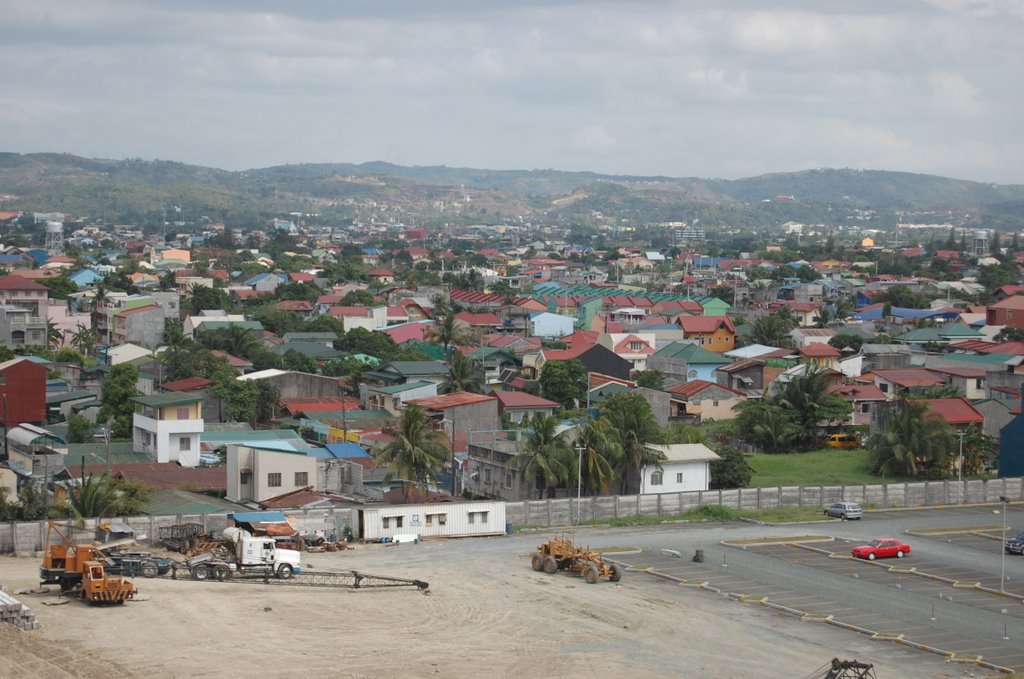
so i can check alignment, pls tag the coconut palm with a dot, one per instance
(92, 497)
(599, 448)
(418, 452)
(448, 334)
(84, 340)
(629, 416)
(913, 444)
(54, 336)
(464, 374)
(235, 340)
(547, 460)
(806, 400)
(978, 449)
(770, 331)
(824, 317)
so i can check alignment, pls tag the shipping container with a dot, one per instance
(442, 519)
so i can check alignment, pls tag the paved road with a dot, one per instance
(897, 597)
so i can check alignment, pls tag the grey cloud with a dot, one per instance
(648, 87)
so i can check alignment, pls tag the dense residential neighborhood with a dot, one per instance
(306, 365)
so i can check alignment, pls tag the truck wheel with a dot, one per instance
(591, 575)
(550, 565)
(201, 572)
(284, 572)
(537, 561)
(150, 570)
(222, 573)
(616, 572)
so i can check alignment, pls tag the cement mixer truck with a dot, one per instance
(256, 556)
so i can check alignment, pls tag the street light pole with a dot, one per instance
(1002, 548)
(960, 469)
(579, 482)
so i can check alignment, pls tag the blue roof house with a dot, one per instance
(83, 278)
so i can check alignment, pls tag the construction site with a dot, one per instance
(449, 608)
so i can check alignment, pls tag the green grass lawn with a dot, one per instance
(828, 467)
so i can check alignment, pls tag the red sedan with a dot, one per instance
(880, 548)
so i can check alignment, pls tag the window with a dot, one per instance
(884, 387)
(185, 443)
(714, 403)
(274, 480)
(182, 413)
(301, 479)
(245, 478)
(691, 375)
(472, 518)
(430, 520)
(442, 519)
(865, 407)
(977, 383)
(636, 346)
(679, 477)
(398, 521)
(508, 479)
(487, 475)
(656, 478)
(3, 378)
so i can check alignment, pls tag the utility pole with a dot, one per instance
(6, 452)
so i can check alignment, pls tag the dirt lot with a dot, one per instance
(487, 614)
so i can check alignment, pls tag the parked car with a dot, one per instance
(137, 563)
(1015, 545)
(881, 548)
(843, 441)
(844, 510)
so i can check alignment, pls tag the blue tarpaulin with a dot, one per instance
(258, 517)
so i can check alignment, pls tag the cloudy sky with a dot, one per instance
(708, 88)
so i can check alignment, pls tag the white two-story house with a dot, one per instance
(167, 427)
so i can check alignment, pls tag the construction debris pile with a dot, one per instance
(13, 612)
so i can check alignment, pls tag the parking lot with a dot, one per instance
(944, 597)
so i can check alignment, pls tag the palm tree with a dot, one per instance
(54, 336)
(770, 331)
(978, 449)
(825, 317)
(464, 374)
(84, 339)
(547, 460)
(599, 449)
(785, 314)
(629, 416)
(775, 431)
(418, 452)
(806, 400)
(448, 334)
(92, 498)
(913, 443)
(235, 340)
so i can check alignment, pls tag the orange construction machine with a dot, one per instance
(80, 567)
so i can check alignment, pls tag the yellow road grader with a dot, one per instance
(560, 554)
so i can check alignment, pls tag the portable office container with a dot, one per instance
(441, 519)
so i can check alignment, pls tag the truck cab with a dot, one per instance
(262, 551)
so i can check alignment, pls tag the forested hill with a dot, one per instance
(134, 190)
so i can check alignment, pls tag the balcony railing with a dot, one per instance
(29, 320)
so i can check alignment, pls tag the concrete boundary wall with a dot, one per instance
(29, 537)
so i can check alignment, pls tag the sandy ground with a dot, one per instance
(487, 614)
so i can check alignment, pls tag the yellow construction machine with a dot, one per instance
(81, 567)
